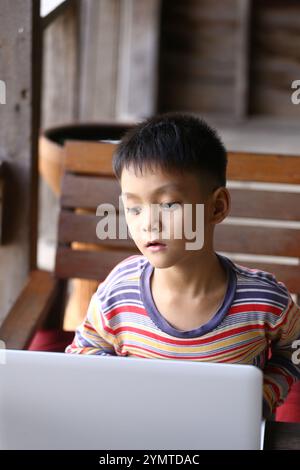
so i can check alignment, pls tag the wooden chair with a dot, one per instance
(88, 181)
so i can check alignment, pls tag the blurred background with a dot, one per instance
(232, 62)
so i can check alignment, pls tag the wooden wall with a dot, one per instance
(60, 69)
(197, 60)
(275, 57)
(119, 53)
(235, 58)
(99, 64)
(60, 102)
(19, 62)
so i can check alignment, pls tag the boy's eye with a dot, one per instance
(133, 210)
(164, 206)
(170, 205)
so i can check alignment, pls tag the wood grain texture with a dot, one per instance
(260, 204)
(99, 52)
(243, 58)
(30, 310)
(244, 166)
(92, 158)
(83, 228)
(19, 117)
(90, 191)
(138, 58)
(253, 240)
(275, 57)
(198, 56)
(88, 264)
(95, 158)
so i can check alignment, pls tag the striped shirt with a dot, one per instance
(258, 323)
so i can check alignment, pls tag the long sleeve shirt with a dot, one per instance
(258, 323)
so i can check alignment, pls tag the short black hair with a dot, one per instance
(174, 142)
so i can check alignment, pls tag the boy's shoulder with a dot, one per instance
(126, 271)
(262, 281)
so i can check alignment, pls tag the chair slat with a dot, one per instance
(89, 191)
(88, 264)
(266, 168)
(265, 204)
(75, 227)
(93, 158)
(30, 310)
(234, 238)
(272, 241)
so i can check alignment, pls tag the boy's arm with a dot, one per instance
(283, 367)
(89, 337)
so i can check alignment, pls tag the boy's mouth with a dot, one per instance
(155, 246)
(155, 243)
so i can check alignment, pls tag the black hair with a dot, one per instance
(174, 142)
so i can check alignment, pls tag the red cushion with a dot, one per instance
(290, 410)
(51, 340)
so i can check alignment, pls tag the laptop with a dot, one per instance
(64, 401)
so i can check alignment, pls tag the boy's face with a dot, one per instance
(156, 208)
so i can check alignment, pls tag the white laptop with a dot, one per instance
(64, 401)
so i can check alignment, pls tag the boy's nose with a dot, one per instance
(151, 219)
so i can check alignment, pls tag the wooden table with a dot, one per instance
(282, 436)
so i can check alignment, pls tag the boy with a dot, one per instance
(191, 304)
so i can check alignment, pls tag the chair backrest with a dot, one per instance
(262, 187)
(263, 229)
(88, 181)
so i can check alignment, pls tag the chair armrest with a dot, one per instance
(30, 310)
(282, 436)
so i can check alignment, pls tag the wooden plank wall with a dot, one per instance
(136, 94)
(234, 58)
(99, 39)
(60, 69)
(275, 58)
(59, 101)
(19, 41)
(119, 53)
(198, 60)
(99, 64)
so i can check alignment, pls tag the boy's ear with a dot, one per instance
(221, 205)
